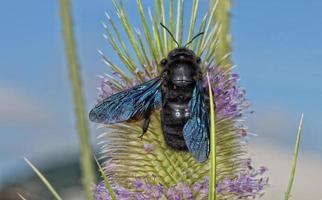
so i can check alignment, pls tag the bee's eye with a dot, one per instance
(163, 62)
(198, 60)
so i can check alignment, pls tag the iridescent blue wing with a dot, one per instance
(196, 130)
(128, 104)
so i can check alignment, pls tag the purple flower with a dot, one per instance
(148, 147)
(249, 183)
(229, 97)
(137, 184)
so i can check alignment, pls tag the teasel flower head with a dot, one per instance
(148, 168)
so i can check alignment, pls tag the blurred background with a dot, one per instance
(277, 47)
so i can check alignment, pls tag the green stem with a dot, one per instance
(222, 17)
(295, 155)
(213, 165)
(74, 73)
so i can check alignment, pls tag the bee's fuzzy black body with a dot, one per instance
(178, 91)
(180, 72)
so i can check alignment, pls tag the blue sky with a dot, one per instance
(277, 47)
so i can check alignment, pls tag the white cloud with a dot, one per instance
(274, 121)
(307, 183)
(17, 107)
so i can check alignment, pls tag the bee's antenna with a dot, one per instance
(194, 38)
(170, 34)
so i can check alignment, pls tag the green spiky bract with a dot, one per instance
(121, 148)
(294, 164)
(222, 17)
(106, 181)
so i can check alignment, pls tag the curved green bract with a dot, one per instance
(213, 164)
(44, 180)
(294, 164)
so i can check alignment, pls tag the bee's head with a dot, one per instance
(181, 66)
(182, 54)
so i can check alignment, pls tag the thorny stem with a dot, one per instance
(88, 176)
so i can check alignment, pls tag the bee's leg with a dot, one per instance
(145, 126)
(146, 122)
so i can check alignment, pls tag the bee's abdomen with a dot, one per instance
(174, 116)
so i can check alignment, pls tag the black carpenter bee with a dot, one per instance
(178, 91)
